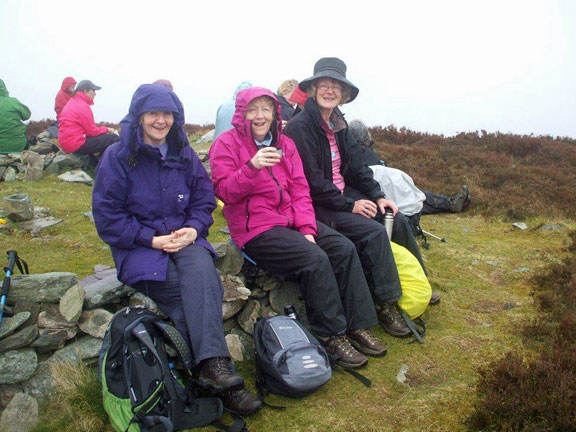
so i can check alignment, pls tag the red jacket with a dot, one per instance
(63, 96)
(256, 200)
(77, 122)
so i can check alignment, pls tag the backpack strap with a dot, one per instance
(177, 342)
(364, 380)
(262, 389)
(412, 326)
(238, 424)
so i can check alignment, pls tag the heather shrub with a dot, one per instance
(510, 176)
(537, 394)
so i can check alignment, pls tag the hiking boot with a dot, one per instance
(348, 357)
(434, 299)
(365, 342)
(216, 373)
(391, 320)
(457, 201)
(241, 401)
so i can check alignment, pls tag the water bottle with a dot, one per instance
(290, 311)
(388, 222)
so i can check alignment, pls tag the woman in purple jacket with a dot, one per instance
(258, 174)
(153, 203)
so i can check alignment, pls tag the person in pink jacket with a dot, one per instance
(78, 133)
(257, 173)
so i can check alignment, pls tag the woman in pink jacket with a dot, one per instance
(78, 133)
(257, 173)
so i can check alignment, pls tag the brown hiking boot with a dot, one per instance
(241, 401)
(391, 320)
(348, 357)
(365, 342)
(216, 373)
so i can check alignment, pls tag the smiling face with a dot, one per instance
(260, 112)
(155, 126)
(328, 94)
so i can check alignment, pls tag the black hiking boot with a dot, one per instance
(434, 299)
(458, 201)
(241, 401)
(391, 320)
(217, 373)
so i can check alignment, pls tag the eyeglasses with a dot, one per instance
(336, 88)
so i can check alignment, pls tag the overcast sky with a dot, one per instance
(437, 66)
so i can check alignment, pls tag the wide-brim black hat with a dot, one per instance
(330, 67)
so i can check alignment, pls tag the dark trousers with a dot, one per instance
(192, 297)
(373, 247)
(402, 232)
(328, 273)
(435, 204)
(97, 144)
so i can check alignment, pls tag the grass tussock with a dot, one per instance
(538, 394)
(78, 406)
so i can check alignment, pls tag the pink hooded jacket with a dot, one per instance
(256, 200)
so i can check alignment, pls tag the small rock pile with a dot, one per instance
(55, 317)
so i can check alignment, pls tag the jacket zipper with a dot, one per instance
(280, 191)
(247, 215)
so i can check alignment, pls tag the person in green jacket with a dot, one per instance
(12, 130)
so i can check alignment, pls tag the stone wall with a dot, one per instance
(55, 317)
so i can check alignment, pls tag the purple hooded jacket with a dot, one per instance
(138, 195)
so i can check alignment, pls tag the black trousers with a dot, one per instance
(402, 232)
(97, 144)
(192, 297)
(328, 273)
(435, 203)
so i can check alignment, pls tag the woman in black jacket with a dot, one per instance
(344, 194)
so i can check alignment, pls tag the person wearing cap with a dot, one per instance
(257, 173)
(12, 130)
(344, 194)
(78, 133)
(283, 94)
(152, 203)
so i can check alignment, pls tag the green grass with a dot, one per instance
(468, 329)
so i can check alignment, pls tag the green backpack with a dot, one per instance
(141, 390)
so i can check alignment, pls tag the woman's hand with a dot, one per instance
(159, 242)
(310, 238)
(180, 239)
(383, 203)
(176, 241)
(266, 157)
(365, 208)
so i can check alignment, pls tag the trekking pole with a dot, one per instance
(443, 239)
(13, 259)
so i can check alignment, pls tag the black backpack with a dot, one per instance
(141, 390)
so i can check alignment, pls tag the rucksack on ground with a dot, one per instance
(290, 361)
(416, 289)
(141, 390)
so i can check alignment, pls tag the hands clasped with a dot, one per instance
(175, 241)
